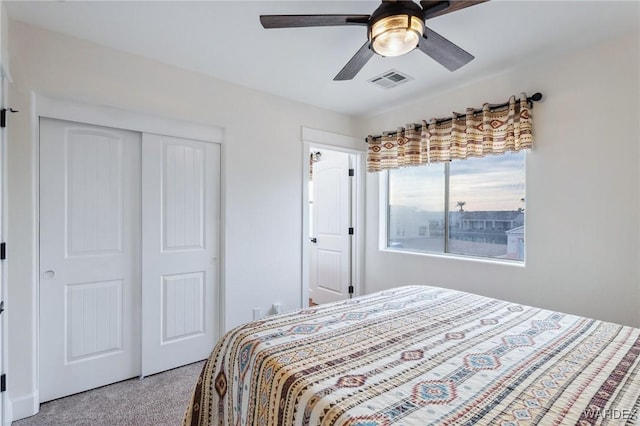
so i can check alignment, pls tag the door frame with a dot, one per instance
(63, 109)
(5, 406)
(356, 147)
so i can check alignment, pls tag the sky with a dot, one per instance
(495, 182)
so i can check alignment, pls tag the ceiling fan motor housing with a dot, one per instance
(395, 28)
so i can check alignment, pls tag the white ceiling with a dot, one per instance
(224, 39)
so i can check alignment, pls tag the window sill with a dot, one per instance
(448, 256)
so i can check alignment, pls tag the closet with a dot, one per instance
(128, 261)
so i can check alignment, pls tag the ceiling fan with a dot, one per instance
(396, 27)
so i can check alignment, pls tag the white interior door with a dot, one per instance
(331, 273)
(89, 257)
(181, 181)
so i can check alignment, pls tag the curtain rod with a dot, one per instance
(530, 99)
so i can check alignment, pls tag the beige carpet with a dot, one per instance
(160, 399)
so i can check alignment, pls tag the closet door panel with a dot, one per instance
(181, 187)
(89, 256)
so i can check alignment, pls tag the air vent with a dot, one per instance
(390, 79)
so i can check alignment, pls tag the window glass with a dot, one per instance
(485, 215)
(486, 206)
(416, 208)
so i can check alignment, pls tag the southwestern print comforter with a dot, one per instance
(421, 356)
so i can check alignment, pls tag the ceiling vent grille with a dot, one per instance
(390, 79)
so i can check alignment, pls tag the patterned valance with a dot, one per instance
(474, 134)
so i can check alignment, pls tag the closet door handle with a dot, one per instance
(313, 240)
(49, 274)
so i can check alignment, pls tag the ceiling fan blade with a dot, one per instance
(292, 21)
(443, 51)
(436, 8)
(356, 63)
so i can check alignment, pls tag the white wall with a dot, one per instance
(262, 155)
(582, 189)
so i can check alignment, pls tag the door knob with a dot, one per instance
(313, 240)
(48, 274)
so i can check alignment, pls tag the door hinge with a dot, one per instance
(3, 116)
(3, 383)
(350, 231)
(350, 289)
(1, 306)
(351, 172)
(3, 251)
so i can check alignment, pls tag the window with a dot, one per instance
(471, 207)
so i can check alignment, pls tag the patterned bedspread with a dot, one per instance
(421, 356)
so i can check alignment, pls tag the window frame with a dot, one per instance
(385, 223)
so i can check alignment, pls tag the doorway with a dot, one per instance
(128, 254)
(332, 218)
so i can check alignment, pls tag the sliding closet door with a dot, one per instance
(181, 187)
(89, 257)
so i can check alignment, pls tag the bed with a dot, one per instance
(420, 355)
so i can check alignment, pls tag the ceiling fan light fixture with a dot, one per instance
(396, 35)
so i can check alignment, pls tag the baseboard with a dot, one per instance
(24, 406)
(7, 415)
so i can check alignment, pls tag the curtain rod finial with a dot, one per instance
(536, 96)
